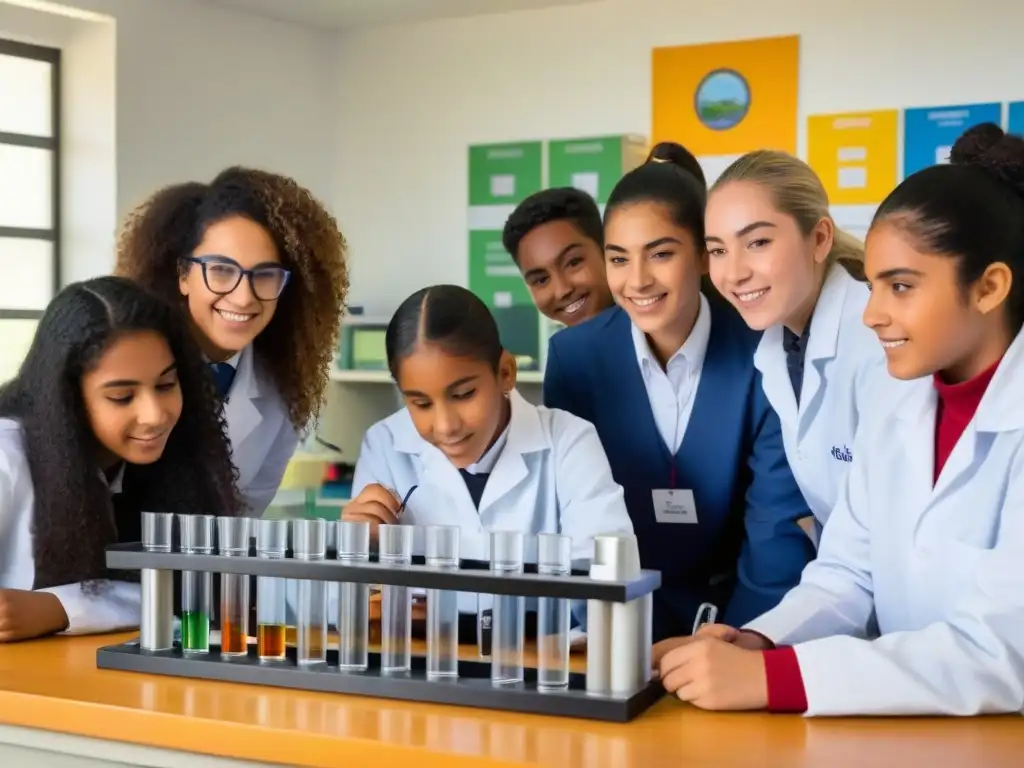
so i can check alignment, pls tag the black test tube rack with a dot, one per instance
(472, 688)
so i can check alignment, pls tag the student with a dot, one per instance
(259, 266)
(676, 154)
(555, 238)
(112, 413)
(468, 450)
(668, 379)
(777, 256)
(927, 535)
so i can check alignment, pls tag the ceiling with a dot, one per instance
(346, 14)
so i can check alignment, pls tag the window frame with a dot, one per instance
(52, 143)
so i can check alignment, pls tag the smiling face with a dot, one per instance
(654, 271)
(564, 270)
(925, 321)
(457, 404)
(760, 260)
(132, 398)
(229, 323)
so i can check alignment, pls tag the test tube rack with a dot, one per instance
(472, 688)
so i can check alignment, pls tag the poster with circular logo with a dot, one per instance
(722, 99)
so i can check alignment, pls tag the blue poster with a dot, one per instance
(1016, 124)
(929, 132)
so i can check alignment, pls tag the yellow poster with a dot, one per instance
(855, 155)
(727, 98)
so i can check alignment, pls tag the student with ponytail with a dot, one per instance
(777, 256)
(667, 377)
(915, 603)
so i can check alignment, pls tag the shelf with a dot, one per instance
(384, 377)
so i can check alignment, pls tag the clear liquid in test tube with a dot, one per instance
(196, 586)
(353, 599)
(554, 558)
(156, 627)
(233, 541)
(309, 542)
(443, 605)
(508, 619)
(271, 592)
(395, 544)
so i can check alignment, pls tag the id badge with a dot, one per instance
(674, 505)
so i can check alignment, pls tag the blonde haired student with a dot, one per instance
(776, 254)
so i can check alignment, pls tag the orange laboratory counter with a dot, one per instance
(58, 709)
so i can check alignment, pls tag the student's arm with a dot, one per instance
(835, 595)
(103, 606)
(970, 664)
(99, 606)
(590, 502)
(372, 464)
(775, 549)
(264, 486)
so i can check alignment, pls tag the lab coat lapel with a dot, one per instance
(770, 360)
(242, 406)
(914, 450)
(525, 435)
(823, 341)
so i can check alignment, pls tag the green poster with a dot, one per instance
(504, 174)
(594, 165)
(493, 276)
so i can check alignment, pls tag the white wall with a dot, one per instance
(412, 98)
(196, 88)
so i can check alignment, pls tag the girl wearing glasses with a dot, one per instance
(259, 266)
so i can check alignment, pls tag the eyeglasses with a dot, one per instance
(223, 275)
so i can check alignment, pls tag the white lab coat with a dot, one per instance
(111, 606)
(941, 567)
(844, 371)
(263, 439)
(552, 476)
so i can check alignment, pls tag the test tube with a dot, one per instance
(554, 558)
(443, 605)
(309, 542)
(196, 586)
(271, 592)
(233, 541)
(353, 599)
(156, 628)
(509, 618)
(395, 548)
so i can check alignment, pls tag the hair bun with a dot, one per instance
(987, 146)
(671, 153)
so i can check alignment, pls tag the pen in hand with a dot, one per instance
(706, 614)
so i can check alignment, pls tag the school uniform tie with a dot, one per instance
(796, 349)
(223, 376)
(475, 484)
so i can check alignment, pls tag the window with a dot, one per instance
(29, 180)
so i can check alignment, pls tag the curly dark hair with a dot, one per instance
(298, 345)
(73, 519)
(558, 204)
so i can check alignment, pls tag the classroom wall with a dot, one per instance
(163, 91)
(413, 97)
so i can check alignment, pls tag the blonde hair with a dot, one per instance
(797, 192)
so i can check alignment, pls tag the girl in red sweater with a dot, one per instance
(915, 604)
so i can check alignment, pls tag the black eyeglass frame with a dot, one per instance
(243, 273)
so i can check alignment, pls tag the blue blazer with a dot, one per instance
(746, 549)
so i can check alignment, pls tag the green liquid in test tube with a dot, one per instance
(196, 586)
(195, 631)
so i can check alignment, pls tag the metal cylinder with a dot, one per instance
(615, 634)
(156, 625)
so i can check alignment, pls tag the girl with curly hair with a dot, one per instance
(112, 413)
(258, 266)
